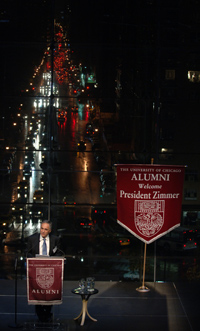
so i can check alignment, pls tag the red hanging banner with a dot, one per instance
(149, 199)
(45, 280)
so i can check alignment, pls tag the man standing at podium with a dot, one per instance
(43, 243)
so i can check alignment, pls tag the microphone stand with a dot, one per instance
(15, 325)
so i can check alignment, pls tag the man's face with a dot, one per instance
(45, 230)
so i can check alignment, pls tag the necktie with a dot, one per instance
(44, 247)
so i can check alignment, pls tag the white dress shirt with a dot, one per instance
(41, 244)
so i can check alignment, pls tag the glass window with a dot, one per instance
(82, 91)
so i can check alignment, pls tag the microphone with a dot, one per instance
(56, 248)
(32, 247)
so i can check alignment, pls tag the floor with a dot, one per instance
(117, 306)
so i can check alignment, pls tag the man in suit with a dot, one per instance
(35, 242)
(44, 243)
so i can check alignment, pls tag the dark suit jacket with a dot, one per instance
(33, 245)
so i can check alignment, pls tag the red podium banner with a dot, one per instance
(149, 199)
(45, 280)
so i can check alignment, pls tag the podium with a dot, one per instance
(45, 280)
